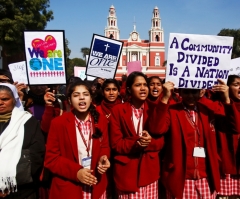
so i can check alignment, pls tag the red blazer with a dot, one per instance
(134, 166)
(227, 135)
(62, 158)
(174, 163)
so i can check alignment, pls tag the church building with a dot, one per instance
(150, 52)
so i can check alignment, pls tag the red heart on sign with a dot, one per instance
(48, 44)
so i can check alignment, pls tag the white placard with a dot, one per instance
(104, 57)
(197, 61)
(235, 67)
(19, 73)
(45, 57)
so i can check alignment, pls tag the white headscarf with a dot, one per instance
(11, 141)
(15, 95)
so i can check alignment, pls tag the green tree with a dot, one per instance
(236, 43)
(74, 62)
(85, 51)
(17, 16)
(67, 53)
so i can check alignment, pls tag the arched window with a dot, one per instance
(156, 24)
(157, 38)
(111, 22)
(157, 61)
(111, 36)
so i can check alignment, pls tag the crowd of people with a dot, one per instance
(139, 138)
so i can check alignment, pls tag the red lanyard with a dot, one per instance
(138, 126)
(88, 145)
(195, 126)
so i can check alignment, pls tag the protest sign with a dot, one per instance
(197, 61)
(19, 73)
(80, 72)
(45, 59)
(235, 67)
(134, 66)
(104, 57)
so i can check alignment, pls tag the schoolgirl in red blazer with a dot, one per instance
(228, 146)
(155, 89)
(190, 164)
(110, 90)
(77, 149)
(136, 161)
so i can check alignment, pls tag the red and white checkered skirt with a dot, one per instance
(230, 185)
(148, 192)
(87, 193)
(195, 189)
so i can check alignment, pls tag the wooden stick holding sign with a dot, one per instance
(197, 61)
(104, 57)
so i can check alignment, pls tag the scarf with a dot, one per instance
(5, 117)
(11, 141)
(107, 106)
(15, 95)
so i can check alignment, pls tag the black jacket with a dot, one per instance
(34, 142)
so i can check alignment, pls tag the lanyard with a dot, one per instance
(138, 125)
(195, 126)
(84, 141)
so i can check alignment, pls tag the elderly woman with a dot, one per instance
(21, 147)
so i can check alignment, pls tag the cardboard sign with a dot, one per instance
(197, 61)
(235, 67)
(104, 57)
(19, 73)
(134, 66)
(45, 57)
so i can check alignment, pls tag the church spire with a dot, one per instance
(112, 30)
(156, 31)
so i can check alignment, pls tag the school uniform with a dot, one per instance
(136, 168)
(228, 147)
(65, 153)
(194, 175)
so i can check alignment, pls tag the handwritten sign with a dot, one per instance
(134, 66)
(45, 57)
(104, 57)
(235, 67)
(197, 61)
(19, 73)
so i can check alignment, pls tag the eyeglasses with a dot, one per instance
(5, 81)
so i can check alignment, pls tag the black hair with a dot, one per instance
(124, 78)
(73, 79)
(110, 81)
(94, 113)
(153, 77)
(8, 74)
(231, 79)
(131, 78)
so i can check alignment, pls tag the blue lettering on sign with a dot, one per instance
(46, 63)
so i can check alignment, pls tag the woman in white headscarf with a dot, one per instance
(21, 147)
